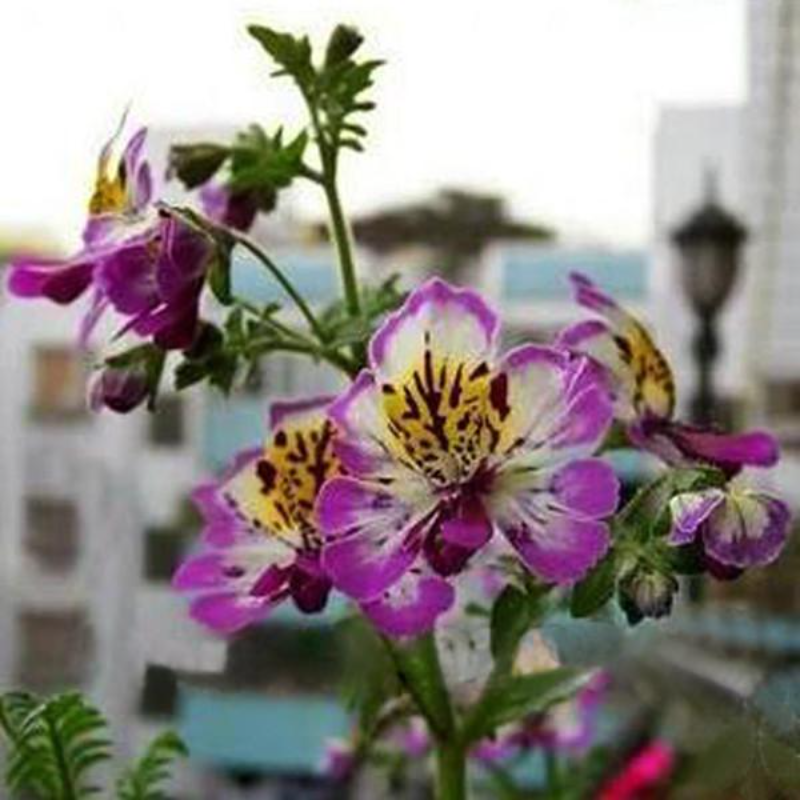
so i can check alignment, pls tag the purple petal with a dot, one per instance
(590, 296)
(127, 277)
(587, 487)
(689, 511)
(184, 259)
(372, 538)
(363, 569)
(450, 322)
(227, 613)
(731, 451)
(411, 606)
(749, 529)
(309, 585)
(559, 549)
(469, 526)
(59, 281)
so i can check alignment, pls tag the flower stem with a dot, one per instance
(451, 771)
(340, 231)
(285, 283)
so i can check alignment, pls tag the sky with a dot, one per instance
(551, 103)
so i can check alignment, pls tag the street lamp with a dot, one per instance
(709, 244)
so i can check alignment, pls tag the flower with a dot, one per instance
(120, 389)
(260, 544)
(649, 768)
(148, 266)
(235, 209)
(339, 760)
(738, 527)
(445, 444)
(641, 379)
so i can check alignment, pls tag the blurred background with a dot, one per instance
(513, 142)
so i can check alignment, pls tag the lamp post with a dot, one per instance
(709, 244)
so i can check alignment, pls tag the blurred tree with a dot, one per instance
(455, 225)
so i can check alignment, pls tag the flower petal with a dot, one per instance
(468, 525)
(587, 487)
(689, 511)
(227, 613)
(298, 412)
(452, 323)
(412, 606)
(559, 549)
(642, 375)
(556, 407)
(748, 529)
(59, 281)
(372, 536)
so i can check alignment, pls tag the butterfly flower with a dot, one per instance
(644, 390)
(260, 544)
(446, 445)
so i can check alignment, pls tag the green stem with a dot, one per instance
(340, 232)
(553, 775)
(332, 356)
(285, 283)
(451, 771)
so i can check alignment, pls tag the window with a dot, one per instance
(163, 548)
(59, 383)
(167, 422)
(159, 692)
(52, 533)
(783, 399)
(55, 649)
(285, 657)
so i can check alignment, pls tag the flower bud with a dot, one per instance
(647, 593)
(120, 388)
(344, 41)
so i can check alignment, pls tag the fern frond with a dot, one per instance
(144, 779)
(53, 744)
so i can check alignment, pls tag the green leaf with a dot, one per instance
(144, 779)
(596, 589)
(290, 53)
(196, 164)
(513, 614)
(219, 278)
(418, 666)
(53, 744)
(514, 697)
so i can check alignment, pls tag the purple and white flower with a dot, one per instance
(260, 544)
(148, 266)
(447, 444)
(737, 527)
(644, 390)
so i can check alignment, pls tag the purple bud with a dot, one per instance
(120, 389)
(235, 209)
